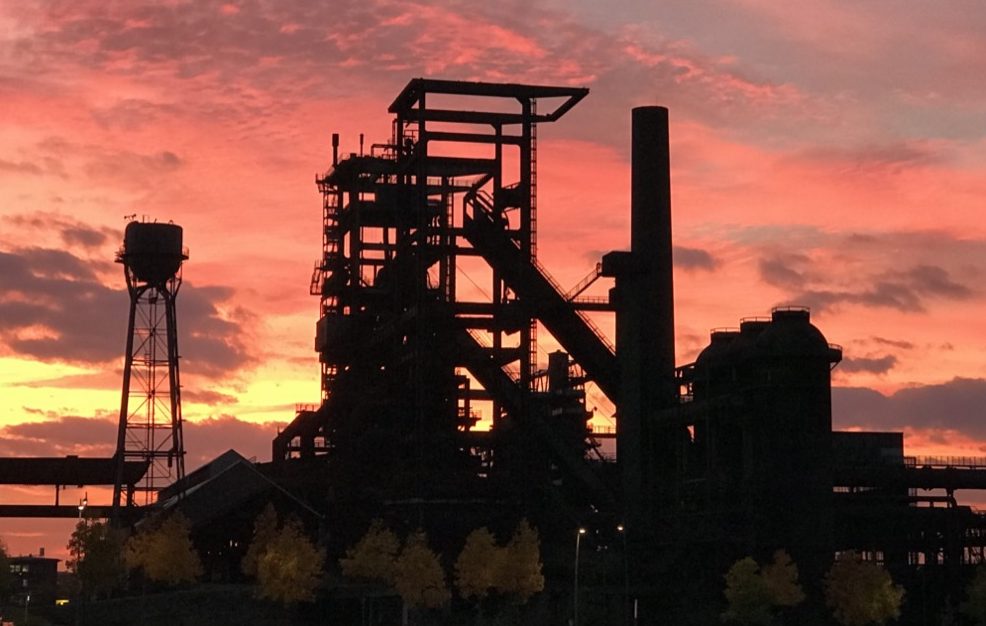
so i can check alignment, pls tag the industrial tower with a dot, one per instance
(432, 299)
(150, 408)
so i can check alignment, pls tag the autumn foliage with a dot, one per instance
(418, 574)
(476, 566)
(264, 531)
(287, 565)
(861, 592)
(513, 570)
(754, 594)
(372, 558)
(290, 568)
(164, 552)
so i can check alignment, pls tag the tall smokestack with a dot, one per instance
(650, 242)
(646, 441)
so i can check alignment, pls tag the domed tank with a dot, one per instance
(791, 334)
(153, 251)
(792, 435)
(711, 359)
(743, 350)
(718, 340)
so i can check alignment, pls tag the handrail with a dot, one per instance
(586, 281)
(936, 462)
(474, 198)
(585, 318)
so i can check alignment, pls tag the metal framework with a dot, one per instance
(431, 302)
(432, 295)
(150, 426)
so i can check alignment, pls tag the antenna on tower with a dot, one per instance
(150, 408)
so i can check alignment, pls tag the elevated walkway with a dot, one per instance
(545, 299)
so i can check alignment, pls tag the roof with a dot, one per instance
(70, 470)
(32, 559)
(410, 96)
(222, 485)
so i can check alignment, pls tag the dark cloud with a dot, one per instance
(694, 259)
(894, 158)
(20, 167)
(73, 232)
(955, 405)
(54, 308)
(83, 237)
(205, 396)
(60, 436)
(208, 438)
(96, 436)
(896, 343)
(784, 270)
(131, 168)
(131, 114)
(908, 291)
(932, 280)
(872, 365)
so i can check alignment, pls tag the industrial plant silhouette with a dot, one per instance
(438, 410)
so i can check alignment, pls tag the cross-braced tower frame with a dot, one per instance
(150, 427)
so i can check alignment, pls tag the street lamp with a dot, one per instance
(575, 595)
(620, 528)
(82, 505)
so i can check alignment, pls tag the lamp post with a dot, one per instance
(620, 528)
(82, 505)
(575, 594)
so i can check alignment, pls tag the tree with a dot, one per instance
(974, 606)
(748, 594)
(95, 550)
(754, 594)
(418, 575)
(264, 531)
(519, 567)
(165, 552)
(781, 577)
(6, 578)
(373, 556)
(477, 564)
(861, 592)
(290, 568)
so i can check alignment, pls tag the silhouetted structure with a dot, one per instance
(34, 577)
(432, 299)
(150, 408)
(414, 350)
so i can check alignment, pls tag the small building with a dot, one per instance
(35, 580)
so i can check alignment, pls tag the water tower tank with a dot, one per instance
(153, 251)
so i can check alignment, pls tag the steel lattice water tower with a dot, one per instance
(150, 409)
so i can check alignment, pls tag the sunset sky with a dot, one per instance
(824, 153)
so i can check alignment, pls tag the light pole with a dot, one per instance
(82, 505)
(575, 594)
(620, 528)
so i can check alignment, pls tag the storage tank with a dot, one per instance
(792, 450)
(153, 251)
